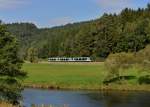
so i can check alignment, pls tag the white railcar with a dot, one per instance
(69, 59)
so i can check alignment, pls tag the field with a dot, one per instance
(73, 76)
(65, 75)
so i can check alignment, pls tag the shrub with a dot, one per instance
(119, 62)
(116, 62)
(143, 57)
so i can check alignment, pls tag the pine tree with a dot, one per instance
(11, 75)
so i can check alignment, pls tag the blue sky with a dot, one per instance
(48, 13)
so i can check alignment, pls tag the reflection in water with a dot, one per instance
(122, 99)
(86, 98)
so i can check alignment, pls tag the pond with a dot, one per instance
(58, 98)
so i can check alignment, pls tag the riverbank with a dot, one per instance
(79, 76)
(3, 104)
(98, 88)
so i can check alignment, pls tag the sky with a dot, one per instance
(49, 13)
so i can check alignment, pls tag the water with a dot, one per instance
(86, 98)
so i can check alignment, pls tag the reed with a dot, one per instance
(43, 105)
(4, 104)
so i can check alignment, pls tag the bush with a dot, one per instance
(144, 79)
(119, 62)
(143, 57)
(115, 63)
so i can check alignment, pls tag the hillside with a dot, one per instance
(111, 33)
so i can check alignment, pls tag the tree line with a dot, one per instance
(127, 31)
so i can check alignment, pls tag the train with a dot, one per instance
(69, 59)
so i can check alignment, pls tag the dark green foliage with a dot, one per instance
(125, 32)
(10, 67)
(144, 79)
(25, 33)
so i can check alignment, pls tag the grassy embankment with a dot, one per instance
(76, 76)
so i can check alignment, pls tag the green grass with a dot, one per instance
(75, 76)
(65, 75)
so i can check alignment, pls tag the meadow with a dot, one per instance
(75, 76)
(65, 75)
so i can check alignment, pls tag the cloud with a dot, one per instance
(60, 21)
(9, 4)
(114, 5)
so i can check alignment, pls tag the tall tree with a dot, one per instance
(11, 75)
(32, 55)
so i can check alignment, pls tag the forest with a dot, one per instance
(127, 31)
